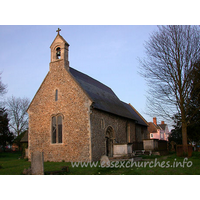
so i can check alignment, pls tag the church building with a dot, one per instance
(74, 117)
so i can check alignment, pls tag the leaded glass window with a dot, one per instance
(53, 129)
(59, 129)
(56, 135)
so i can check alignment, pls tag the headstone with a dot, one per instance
(104, 161)
(37, 163)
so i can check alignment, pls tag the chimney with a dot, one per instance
(162, 122)
(155, 121)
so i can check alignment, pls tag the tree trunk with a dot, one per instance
(184, 138)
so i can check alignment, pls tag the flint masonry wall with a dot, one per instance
(73, 104)
(98, 131)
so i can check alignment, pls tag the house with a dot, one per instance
(158, 131)
(74, 117)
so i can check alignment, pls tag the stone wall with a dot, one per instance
(73, 104)
(100, 121)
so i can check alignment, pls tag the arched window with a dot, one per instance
(58, 53)
(56, 130)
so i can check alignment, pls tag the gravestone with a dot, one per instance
(104, 161)
(37, 163)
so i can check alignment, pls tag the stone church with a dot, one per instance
(74, 117)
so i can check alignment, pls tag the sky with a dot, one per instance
(107, 53)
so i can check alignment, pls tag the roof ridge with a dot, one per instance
(156, 126)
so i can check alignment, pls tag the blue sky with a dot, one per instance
(107, 53)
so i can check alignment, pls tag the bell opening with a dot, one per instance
(58, 53)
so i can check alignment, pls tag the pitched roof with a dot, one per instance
(103, 97)
(162, 126)
(139, 119)
(59, 36)
(153, 128)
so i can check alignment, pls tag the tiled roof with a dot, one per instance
(162, 126)
(139, 119)
(153, 128)
(103, 97)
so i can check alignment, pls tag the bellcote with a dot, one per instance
(59, 50)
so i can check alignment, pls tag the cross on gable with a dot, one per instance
(58, 30)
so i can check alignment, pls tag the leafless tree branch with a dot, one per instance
(171, 53)
(16, 108)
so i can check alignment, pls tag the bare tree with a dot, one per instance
(16, 108)
(2, 87)
(171, 53)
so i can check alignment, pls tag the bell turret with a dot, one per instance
(59, 50)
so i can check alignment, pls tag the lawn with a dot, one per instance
(12, 164)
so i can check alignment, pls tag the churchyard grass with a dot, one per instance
(12, 164)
